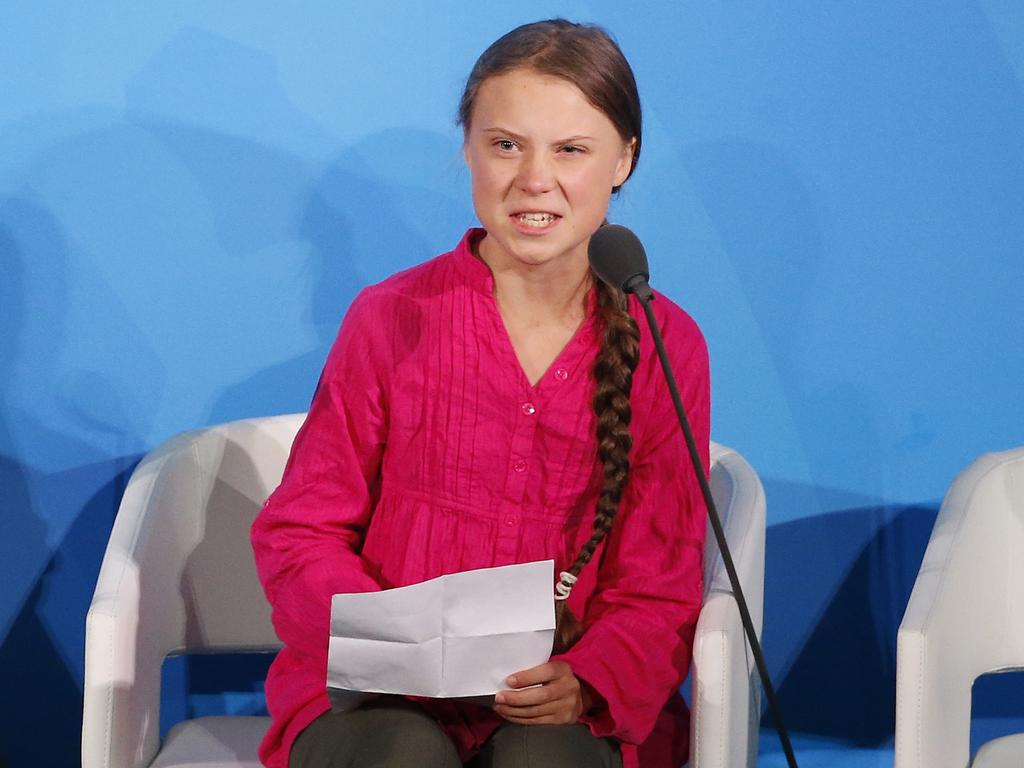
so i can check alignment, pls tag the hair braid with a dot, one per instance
(613, 372)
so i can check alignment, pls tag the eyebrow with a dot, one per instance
(517, 137)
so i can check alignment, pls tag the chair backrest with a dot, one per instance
(240, 465)
(184, 521)
(998, 500)
(735, 486)
(976, 544)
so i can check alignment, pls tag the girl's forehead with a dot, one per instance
(543, 103)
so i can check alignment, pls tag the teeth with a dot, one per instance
(536, 219)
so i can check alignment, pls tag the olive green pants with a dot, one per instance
(392, 733)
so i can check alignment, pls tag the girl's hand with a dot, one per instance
(557, 697)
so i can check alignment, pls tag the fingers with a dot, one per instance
(529, 697)
(542, 673)
(555, 697)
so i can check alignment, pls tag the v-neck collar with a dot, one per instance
(568, 363)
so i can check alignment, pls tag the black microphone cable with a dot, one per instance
(618, 258)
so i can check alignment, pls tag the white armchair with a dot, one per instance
(965, 618)
(178, 576)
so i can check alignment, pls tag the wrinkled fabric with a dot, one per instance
(426, 451)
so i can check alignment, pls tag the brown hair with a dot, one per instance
(587, 57)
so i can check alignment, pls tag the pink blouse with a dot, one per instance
(426, 451)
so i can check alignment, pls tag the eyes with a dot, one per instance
(508, 146)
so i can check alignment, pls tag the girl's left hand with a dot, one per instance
(556, 698)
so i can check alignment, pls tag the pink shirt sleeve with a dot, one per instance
(640, 621)
(307, 537)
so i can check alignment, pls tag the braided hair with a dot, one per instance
(613, 374)
(588, 57)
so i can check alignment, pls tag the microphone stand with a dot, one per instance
(645, 295)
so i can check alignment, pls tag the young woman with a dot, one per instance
(496, 405)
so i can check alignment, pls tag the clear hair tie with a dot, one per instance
(564, 585)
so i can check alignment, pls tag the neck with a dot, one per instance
(548, 292)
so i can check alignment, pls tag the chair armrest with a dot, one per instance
(122, 675)
(726, 698)
(123, 654)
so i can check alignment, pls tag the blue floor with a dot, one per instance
(816, 752)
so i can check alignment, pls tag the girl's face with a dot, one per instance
(543, 161)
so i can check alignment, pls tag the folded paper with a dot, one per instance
(458, 635)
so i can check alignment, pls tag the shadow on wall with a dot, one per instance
(339, 223)
(250, 193)
(47, 683)
(844, 579)
(360, 228)
(47, 584)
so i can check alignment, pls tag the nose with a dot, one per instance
(536, 173)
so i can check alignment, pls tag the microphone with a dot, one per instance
(618, 258)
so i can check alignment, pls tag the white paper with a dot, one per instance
(458, 635)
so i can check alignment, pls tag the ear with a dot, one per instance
(625, 164)
(465, 155)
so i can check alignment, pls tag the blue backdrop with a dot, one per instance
(190, 196)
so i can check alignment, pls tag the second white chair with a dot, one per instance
(965, 618)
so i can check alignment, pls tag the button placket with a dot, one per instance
(520, 455)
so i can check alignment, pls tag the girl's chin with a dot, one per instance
(536, 254)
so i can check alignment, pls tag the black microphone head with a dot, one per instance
(617, 257)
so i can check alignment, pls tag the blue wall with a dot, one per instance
(191, 195)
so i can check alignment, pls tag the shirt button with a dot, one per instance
(519, 465)
(529, 409)
(510, 520)
(561, 374)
